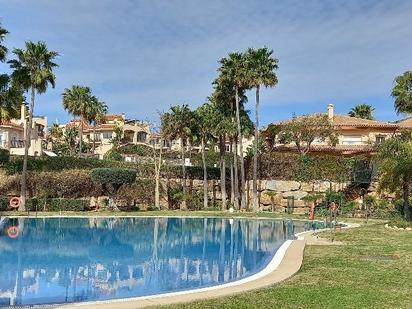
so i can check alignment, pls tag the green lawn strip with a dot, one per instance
(355, 275)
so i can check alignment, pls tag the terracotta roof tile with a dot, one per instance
(405, 123)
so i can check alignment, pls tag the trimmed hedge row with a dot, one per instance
(49, 204)
(143, 169)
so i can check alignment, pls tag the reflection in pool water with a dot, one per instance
(58, 260)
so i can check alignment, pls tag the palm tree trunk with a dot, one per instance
(242, 163)
(94, 138)
(27, 143)
(236, 182)
(255, 153)
(183, 205)
(157, 176)
(204, 174)
(222, 170)
(81, 137)
(406, 206)
(232, 176)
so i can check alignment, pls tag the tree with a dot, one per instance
(303, 131)
(177, 124)
(32, 70)
(233, 72)
(112, 179)
(96, 114)
(395, 167)
(117, 138)
(10, 99)
(260, 70)
(3, 49)
(402, 92)
(70, 137)
(79, 101)
(364, 111)
(205, 116)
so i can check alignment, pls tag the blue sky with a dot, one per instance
(140, 57)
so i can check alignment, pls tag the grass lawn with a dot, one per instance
(356, 275)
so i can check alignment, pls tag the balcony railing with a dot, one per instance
(16, 144)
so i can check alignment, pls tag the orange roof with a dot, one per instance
(9, 124)
(348, 149)
(348, 121)
(405, 123)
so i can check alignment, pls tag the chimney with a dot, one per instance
(331, 111)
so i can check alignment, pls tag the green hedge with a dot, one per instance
(49, 204)
(144, 169)
(4, 156)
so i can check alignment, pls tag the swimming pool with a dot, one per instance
(63, 260)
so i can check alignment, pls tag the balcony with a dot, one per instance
(16, 144)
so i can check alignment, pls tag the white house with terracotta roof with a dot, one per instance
(134, 132)
(355, 135)
(12, 134)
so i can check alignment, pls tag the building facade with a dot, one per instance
(101, 135)
(13, 132)
(354, 135)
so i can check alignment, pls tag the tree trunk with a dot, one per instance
(232, 176)
(81, 137)
(255, 153)
(242, 163)
(222, 170)
(236, 182)
(157, 176)
(94, 138)
(406, 207)
(183, 204)
(27, 144)
(204, 174)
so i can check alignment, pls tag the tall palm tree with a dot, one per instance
(79, 101)
(96, 114)
(261, 66)
(364, 111)
(233, 68)
(402, 92)
(177, 124)
(10, 99)
(32, 70)
(205, 116)
(3, 49)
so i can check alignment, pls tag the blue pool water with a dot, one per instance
(60, 260)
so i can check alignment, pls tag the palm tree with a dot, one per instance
(364, 111)
(97, 112)
(177, 124)
(3, 49)
(261, 68)
(33, 70)
(233, 69)
(70, 136)
(402, 92)
(79, 101)
(205, 116)
(10, 99)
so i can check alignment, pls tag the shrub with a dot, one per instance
(4, 203)
(113, 155)
(146, 170)
(4, 156)
(111, 179)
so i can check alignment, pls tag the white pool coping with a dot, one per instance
(270, 267)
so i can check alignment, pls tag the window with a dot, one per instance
(107, 135)
(227, 148)
(352, 140)
(379, 139)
